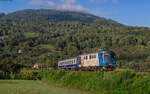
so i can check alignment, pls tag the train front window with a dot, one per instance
(106, 58)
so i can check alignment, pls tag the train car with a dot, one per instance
(88, 61)
(103, 59)
(68, 63)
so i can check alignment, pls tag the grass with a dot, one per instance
(30, 34)
(125, 82)
(48, 46)
(31, 87)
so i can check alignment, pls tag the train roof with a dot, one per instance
(88, 53)
(92, 53)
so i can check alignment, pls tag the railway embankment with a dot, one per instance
(100, 82)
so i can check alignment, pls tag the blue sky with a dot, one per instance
(129, 12)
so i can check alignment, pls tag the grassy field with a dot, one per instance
(125, 82)
(32, 87)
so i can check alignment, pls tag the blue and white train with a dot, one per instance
(104, 59)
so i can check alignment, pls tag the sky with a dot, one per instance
(128, 12)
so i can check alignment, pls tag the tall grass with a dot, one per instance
(100, 82)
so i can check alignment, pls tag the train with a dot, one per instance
(103, 59)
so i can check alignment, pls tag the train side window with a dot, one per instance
(86, 57)
(90, 57)
(93, 56)
(79, 60)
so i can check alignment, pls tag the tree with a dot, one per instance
(8, 65)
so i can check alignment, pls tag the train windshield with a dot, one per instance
(106, 58)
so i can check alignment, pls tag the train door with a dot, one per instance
(78, 60)
(101, 64)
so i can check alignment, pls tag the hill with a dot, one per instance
(47, 36)
(30, 15)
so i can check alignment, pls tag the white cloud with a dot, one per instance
(69, 5)
(36, 2)
(69, 1)
(101, 1)
(72, 5)
(104, 1)
(51, 3)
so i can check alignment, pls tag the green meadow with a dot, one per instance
(32, 87)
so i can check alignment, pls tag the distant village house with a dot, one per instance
(37, 65)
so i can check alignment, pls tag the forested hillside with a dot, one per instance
(46, 36)
(41, 15)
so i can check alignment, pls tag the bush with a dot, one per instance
(4, 76)
(20, 76)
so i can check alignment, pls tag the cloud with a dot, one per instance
(104, 1)
(49, 3)
(69, 5)
(72, 5)
(36, 2)
(101, 1)
(69, 1)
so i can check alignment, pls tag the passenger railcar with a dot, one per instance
(68, 63)
(103, 59)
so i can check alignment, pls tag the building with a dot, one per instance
(37, 65)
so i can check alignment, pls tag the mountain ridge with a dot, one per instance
(56, 16)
